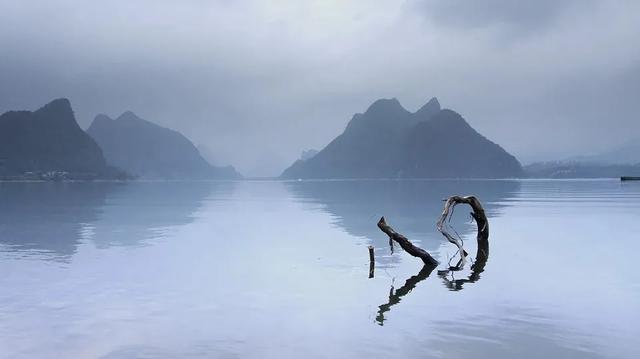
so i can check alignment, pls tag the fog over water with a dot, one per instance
(257, 82)
(118, 240)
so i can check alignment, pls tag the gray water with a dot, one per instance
(280, 270)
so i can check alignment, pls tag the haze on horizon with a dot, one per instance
(258, 82)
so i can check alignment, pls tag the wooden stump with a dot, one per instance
(372, 262)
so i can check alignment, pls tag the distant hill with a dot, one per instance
(387, 141)
(48, 139)
(147, 150)
(628, 153)
(617, 162)
(564, 169)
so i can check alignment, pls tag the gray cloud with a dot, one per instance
(260, 81)
(514, 15)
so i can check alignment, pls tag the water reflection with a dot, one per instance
(52, 219)
(477, 266)
(449, 280)
(447, 276)
(137, 212)
(396, 296)
(48, 217)
(213, 287)
(411, 207)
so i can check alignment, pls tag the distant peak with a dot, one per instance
(100, 121)
(430, 108)
(128, 118)
(102, 117)
(433, 102)
(60, 104)
(386, 106)
(58, 112)
(450, 117)
(128, 115)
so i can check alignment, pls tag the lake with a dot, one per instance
(270, 269)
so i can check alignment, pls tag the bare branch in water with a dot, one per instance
(406, 244)
(480, 218)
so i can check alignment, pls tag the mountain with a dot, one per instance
(147, 150)
(623, 160)
(387, 141)
(565, 169)
(48, 139)
(628, 153)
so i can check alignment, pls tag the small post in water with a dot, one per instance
(372, 262)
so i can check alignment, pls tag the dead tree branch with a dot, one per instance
(406, 244)
(478, 215)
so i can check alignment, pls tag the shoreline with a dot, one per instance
(276, 179)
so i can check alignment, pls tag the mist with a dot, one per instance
(258, 82)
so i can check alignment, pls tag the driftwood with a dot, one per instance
(478, 215)
(406, 244)
(482, 253)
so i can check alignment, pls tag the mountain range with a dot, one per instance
(566, 169)
(626, 154)
(49, 144)
(147, 150)
(620, 161)
(48, 139)
(387, 141)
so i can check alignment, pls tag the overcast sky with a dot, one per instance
(260, 81)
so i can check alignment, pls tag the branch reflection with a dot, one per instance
(482, 256)
(396, 296)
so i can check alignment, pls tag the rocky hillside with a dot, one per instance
(387, 141)
(147, 150)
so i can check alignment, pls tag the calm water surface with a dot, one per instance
(280, 270)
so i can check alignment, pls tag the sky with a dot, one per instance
(257, 82)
